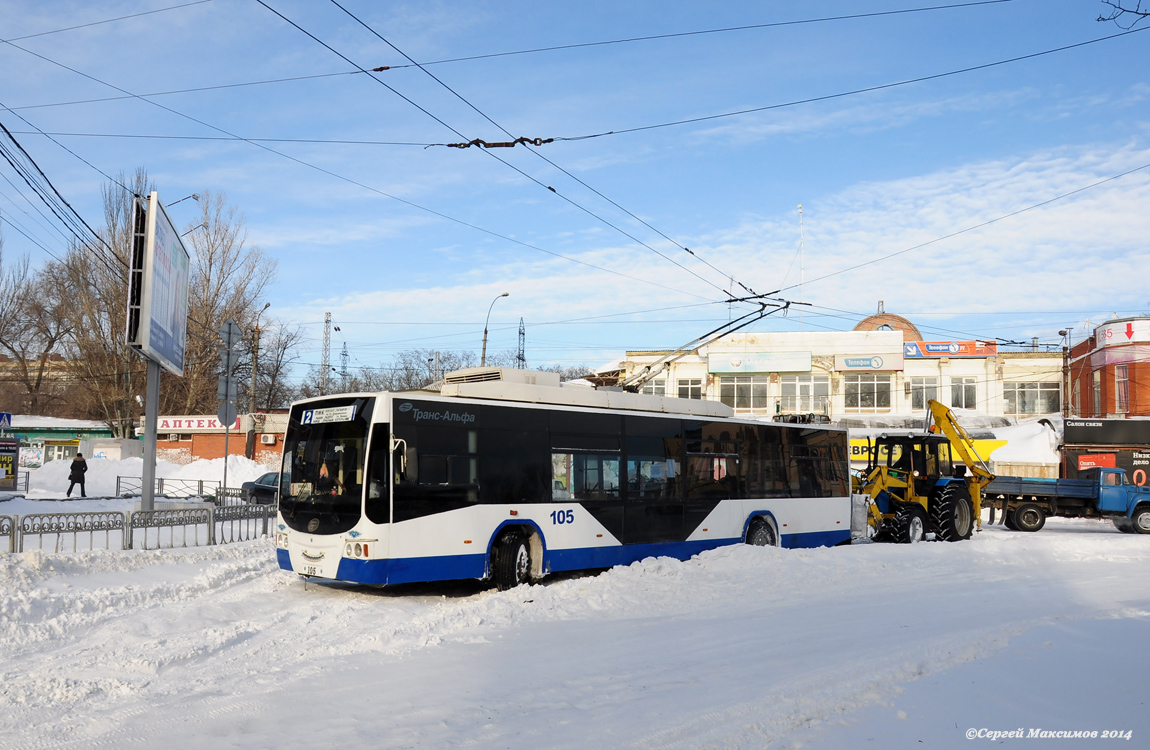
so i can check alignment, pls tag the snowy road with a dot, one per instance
(743, 647)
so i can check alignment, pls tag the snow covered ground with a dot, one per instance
(869, 645)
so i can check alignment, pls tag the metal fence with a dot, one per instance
(75, 527)
(167, 524)
(8, 529)
(181, 488)
(141, 529)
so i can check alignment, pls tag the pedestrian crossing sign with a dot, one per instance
(5, 420)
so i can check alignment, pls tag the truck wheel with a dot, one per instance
(1008, 520)
(1124, 524)
(910, 524)
(1029, 517)
(761, 534)
(952, 514)
(1141, 519)
(511, 561)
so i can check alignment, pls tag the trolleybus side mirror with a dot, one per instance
(399, 446)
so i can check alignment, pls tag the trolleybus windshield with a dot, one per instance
(321, 488)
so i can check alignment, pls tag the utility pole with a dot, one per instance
(343, 358)
(324, 365)
(521, 358)
(802, 266)
(1066, 412)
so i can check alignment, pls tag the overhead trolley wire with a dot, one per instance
(350, 181)
(748, 27)
(480, 57)
(553, 164)
(107, 20)
(439, 120)
(852, 92)
(973, 227)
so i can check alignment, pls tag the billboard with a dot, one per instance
(158, 286)
(734, 362)
(924, 349)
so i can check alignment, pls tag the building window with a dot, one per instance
(1097, 394)
(744, 392)
(1121, 390)
(806, 393)
(1031, 398)
(962, 393)
(867, 393)
(657, 387)
(921, 391)
(691, 388)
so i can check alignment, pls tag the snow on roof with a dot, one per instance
(28, 421)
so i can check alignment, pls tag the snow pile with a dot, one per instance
(28, 421)
(50, 481)
(739, 647)
(1030, 443)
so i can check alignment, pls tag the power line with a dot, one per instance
(556, 166)
(324, 141)
(747, 27)
(852, 92)
(977, 226)
(109, 20)
(350, 181)
(439, 120)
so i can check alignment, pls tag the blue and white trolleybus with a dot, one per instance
(508, 475)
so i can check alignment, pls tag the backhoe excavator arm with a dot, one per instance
(944, 420)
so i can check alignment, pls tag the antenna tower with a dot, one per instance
(324, 365)
(521, 357)
(343, 358)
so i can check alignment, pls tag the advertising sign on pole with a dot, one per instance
(158, 287)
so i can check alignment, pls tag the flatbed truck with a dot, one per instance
(1025, 503)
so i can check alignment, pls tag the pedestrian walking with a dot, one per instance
(76, 475)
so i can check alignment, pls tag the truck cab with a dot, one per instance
(1115, 492)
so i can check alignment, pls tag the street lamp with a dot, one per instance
(483, 356)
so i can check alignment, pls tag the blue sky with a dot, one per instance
(877, 173)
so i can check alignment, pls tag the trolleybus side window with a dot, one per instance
(584, 476)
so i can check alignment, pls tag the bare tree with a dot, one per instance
(1125, 13)
(92, 285)
(279, 349)
(31, 333)
(228, 279)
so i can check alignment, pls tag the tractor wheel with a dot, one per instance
(952, 514)
(1028, 517)
(909, 524)
(885, 532)
(511, 561)
(1140, 521)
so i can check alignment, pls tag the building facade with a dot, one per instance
(1110, 370)
(863, 373)
(183, 439)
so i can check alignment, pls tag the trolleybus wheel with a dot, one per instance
(511, 565)
(761, 533)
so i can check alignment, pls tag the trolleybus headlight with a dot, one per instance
(347, 550)
(358, 549)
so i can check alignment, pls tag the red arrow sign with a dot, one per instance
(1129, 330)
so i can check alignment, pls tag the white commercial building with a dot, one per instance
(883, 367)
